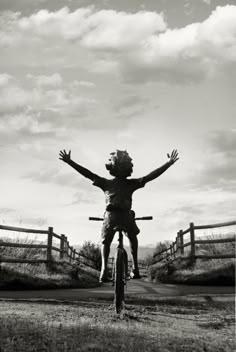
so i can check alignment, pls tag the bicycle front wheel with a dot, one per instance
(120, 276)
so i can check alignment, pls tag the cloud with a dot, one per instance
(41, 108)
(140, 45)
(86, 84)
(224, 142)
(131, 106)
(55, 176)
(219, 168)
(104, 29)
(53, 80)
(208, 2)
(4, 79)
(187, 54)
(84, 190)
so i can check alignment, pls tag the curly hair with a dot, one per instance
(120, 164)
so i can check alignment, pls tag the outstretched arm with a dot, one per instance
(82, 170)
(156, 173)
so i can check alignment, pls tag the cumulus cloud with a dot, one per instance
(190, 53)
(43, 98)
(139, 45)
(32, 113)
(104, 29)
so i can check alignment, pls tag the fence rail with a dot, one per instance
(177, 249)
(67, 254)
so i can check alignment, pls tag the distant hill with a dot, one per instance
(143, 251)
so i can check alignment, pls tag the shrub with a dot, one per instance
(91, 254)
(161, 246)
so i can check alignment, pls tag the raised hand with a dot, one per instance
(65, 156)
(173, 157)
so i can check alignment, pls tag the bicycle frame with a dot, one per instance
(120, 272)
(120, 269)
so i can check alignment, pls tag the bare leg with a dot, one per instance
(105, 250)
(134, 251)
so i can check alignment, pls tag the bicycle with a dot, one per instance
(120, 269)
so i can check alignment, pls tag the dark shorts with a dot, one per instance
(116, 218)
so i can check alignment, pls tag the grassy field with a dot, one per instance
(202, 271)
(211, 272)
(38, 276)
(167, 326)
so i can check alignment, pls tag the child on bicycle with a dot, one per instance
(118, 196)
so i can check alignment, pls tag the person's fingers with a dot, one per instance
(175, 156)
(174, 152)
(69, 152)
(168, 155)
(174, 160)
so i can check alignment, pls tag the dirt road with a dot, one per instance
(135, 288)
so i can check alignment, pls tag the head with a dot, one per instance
(120, 164)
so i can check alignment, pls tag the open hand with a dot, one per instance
(65, 156)
(173, 157)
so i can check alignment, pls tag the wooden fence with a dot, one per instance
(65, 252)
(177, 249)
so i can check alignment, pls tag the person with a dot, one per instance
(118, 197)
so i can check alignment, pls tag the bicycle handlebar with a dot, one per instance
(92, 218)
(95, 219)
(145, 218)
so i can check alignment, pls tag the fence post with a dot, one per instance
(178, 244)
(70, 254)
(62, 244)
(181, 240)
(66, 248)
(192, 239)
(49, 246)
(73, 254)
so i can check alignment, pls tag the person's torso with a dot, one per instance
(118, 194)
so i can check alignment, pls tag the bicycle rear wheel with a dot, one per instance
(120, 276)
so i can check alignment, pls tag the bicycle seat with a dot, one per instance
(120, 228)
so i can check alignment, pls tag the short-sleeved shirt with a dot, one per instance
(118, 192)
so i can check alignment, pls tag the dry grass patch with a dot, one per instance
(93, 327)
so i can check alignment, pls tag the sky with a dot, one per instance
(146, 76)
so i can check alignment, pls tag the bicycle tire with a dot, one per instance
(120, 274)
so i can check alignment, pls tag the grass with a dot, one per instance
(39, 276)
(91, 327)
(202, 271)
(180, 273)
